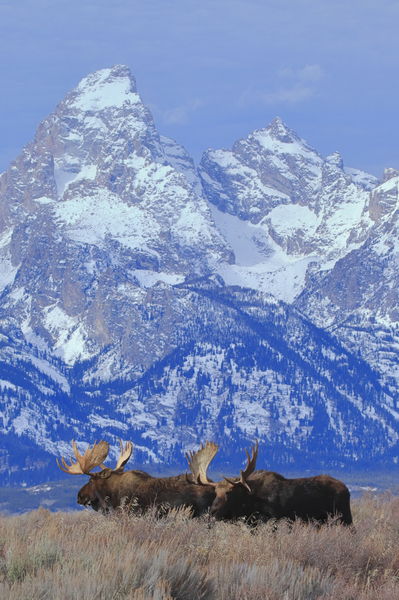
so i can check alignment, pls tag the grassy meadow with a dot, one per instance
(87, 556)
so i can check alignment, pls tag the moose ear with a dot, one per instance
(104, 474)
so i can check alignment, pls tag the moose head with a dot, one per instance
(233, 497)
(102, 489)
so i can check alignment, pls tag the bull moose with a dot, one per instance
(112, 488)
(271, 496)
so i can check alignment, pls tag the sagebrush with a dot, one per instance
(87, 556)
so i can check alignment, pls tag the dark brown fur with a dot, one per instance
(273, 496)
(112, 489)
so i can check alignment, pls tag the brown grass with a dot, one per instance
(87, 556)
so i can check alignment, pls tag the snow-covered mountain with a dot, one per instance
(93, 210)
(142, 299)
(312, 233)
(358, 297)
(285, 210)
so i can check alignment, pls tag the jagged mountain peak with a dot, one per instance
(105, 114)
(100, 132)
(111, 87)
(294, 209)
(335, 159)
(99, 209)
(268, 168)
(96, 198)
(276, 138)
(389, 173)
(278, 130)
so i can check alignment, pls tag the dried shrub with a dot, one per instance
(86, 556)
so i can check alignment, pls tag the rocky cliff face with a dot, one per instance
(141, 299)
(316, 235)
(305, 210)
(358, 297)
(287, 212)
(94, 209)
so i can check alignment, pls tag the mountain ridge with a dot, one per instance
(141, 298)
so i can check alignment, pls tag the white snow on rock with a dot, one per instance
(361, 178)
(68, 334)
(292, 210)
(260, 263)
(293, 219)
(113, 250)
(91, 219)
(149, 278)
(106, 88)
(71, 173)
(45, 367)
(179, 159)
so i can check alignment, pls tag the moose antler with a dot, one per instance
(199, 462)
(93, 457)
(249, 469)
(124, 455)
(251, 461)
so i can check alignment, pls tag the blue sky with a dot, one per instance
(214, 70)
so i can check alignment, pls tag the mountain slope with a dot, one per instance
(312, 233)
(142, 300)
(297, 211)
(241, 367)
(92, 210)
(358, 298)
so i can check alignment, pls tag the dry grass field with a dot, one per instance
(87, 556)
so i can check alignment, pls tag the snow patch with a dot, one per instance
(361, 178)
(290, 219)
(75, 348)
(65, 174)
(260, 263)
(51, 372)
(130, 225)
(69, 335)
(7, 385)
(102, 90)
(44, 200)
(251, 244)
(104, 423)
(149, 278)
(8, 271)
